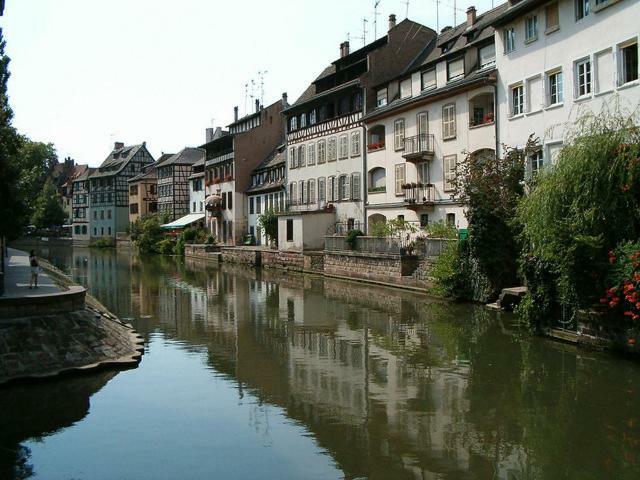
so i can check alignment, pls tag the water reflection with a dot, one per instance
(390, 384)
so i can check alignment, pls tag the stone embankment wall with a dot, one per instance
(46, 335)
(283, 259)
(209, 253)
(245, 256)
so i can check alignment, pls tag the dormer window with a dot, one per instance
(429, 79)
(303, 120)
(294, 123)
(312, 117)
(487, 56)
(455, 69)
(405, 88)
(382, 97)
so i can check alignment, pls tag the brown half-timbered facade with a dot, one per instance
(173, 182)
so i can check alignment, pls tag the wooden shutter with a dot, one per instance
(355, 186)
(400, 171)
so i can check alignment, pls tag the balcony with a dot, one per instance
(419, 148)
(419, 195)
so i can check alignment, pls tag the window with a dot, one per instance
(451, 219)
(487, 55)
(449, 121)
(398, 134)
(133, 190)
(450, 162)
(133, 208)
(305, 192)
(509, 39)
(531, 28)
(101, 214)
(230, 200)
(322, 190)
(382, 97)
(331, 188)
(400, 176)
(423, 172)
(311, 154)
(583, 77)
(303, 120)
(455, 69)
(355, 144)
(422, 123)
(344, 187)
(109, 214)
(343, 150)
(429, 79)
(289, 230)
(293, 193)
(84, 229)
(554, 84)
(405, 88)
(95, 214)
(355, 186)
(424, 220)
(536, 162)
(251, 209)
(294, 123)
(628, 63)
(302, 150)
(322, 151)
(331, 149)
(552, 17)
(301, 192)
(194, 207)
(517, 100)
(292, 157)
(312, 190)
(581, 8)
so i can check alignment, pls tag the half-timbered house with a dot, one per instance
(196, 187)
(143, 190)
(109, 196)
(325, 135)
(80, 207)
(267, 191)
(230, 159)
(173, 182)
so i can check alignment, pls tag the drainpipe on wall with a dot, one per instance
(365, 177)
(495, 117)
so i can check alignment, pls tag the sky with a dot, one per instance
(88, 73)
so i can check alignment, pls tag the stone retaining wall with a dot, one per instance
(210, 253)
(241, 255)
(283, 259)
(68, 300)
(314, 262)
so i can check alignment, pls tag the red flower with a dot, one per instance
(632, 341)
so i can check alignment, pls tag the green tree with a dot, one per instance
(47, 211)
(268, 221)
(36, 161)
(13, 210)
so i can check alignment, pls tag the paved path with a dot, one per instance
(18, 274)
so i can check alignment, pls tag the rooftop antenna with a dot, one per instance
(364, 32)
(261, 74)
(375, 18)
(252, 94)
(438, 16)
(406, 2)
(246, 94)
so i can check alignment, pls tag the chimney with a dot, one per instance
(446, 29)
(471, 16)
(118, 145)
(344, 49)
(257, 105)
(208, 134)
(392, 21)
(144, 144)
(285, 99)
(235, 114)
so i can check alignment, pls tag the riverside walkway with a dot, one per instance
(18, 274)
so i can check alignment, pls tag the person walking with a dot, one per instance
(35, 268)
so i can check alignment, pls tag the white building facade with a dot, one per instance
(558, 59)
(426, 122)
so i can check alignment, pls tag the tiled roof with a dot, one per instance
(116, 160)
(187, 156)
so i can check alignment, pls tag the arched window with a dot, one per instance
(377, 179)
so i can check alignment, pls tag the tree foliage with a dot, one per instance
(268, 221)
(577, 212)
(47, 210)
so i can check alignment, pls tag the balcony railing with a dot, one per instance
(416, 194)
(419, 147)
(422, 247)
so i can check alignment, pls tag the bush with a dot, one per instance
(441, 229)
(104, 242)
(587, 205)
(268, 222)
(150, 235)
(622, 296)
(211, 240)
(352, 238)
(166, 246)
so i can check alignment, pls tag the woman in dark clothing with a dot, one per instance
(35, 268)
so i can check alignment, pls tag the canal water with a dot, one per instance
(270, 375)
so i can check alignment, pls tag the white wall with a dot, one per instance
(597, 32)
(309, 231)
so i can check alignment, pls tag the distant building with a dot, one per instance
(109, 189)
(267, 190)
(80, 204)
(426, 120)
(196, 187)
(143, 195)
(325, 136)
(230, 159)
(173, 182)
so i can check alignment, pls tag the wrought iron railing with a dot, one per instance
(417, 193)
(400, 245)
(419, 144)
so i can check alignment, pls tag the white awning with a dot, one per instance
(183, 221)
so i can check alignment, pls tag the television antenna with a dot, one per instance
(406, 15)
(375, 18)
(261, 75)
(364, 32)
